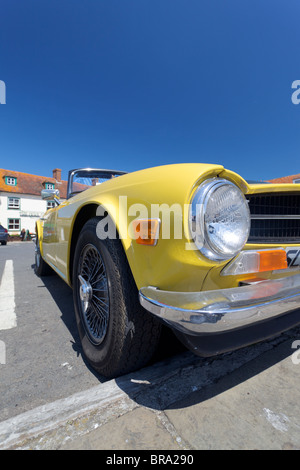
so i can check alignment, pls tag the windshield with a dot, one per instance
(80, 180)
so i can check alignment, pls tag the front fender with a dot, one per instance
(169, 264)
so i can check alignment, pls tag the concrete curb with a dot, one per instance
(144, 395)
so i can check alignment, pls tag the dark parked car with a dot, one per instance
(3, 235)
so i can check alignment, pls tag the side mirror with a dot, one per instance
(50, 195)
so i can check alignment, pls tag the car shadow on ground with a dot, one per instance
(187, 380)
(176, 377)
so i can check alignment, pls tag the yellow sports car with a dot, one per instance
(191, 246)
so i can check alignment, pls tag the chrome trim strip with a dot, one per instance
(72, 172)
(55, 269)
(225, 309)
(274, 217)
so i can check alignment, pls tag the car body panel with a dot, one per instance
(168, 265)
(146, 187)
(210, 310)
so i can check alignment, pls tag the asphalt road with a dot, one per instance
(43, 360)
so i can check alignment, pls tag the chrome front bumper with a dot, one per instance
(224, 310)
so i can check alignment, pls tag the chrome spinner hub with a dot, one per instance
(85, 293)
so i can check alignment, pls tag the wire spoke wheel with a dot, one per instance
(117, 335)
(93, 294)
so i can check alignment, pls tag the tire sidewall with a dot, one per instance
(102, 354)
(41, 269)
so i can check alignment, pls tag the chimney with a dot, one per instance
(57, 174)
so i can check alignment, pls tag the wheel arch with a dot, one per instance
(85, 213)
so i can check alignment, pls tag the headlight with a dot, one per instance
(219, 219)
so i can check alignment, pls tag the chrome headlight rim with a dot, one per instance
(199, 234)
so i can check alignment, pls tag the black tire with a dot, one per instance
(41, 268)
(123, 337)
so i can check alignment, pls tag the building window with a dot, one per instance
(11, 181)
(13, 224)
(50, 204)
(49, 186)
(13, 203)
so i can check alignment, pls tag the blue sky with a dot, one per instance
(130, 84)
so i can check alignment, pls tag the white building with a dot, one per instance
(20, 198)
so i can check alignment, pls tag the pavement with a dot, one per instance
(244, 400)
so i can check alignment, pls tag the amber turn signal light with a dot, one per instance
(146, 231)
(272, 259)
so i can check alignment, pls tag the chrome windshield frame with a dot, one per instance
(89, 171)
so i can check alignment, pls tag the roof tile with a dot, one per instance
(30, 184)
(285, 179)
